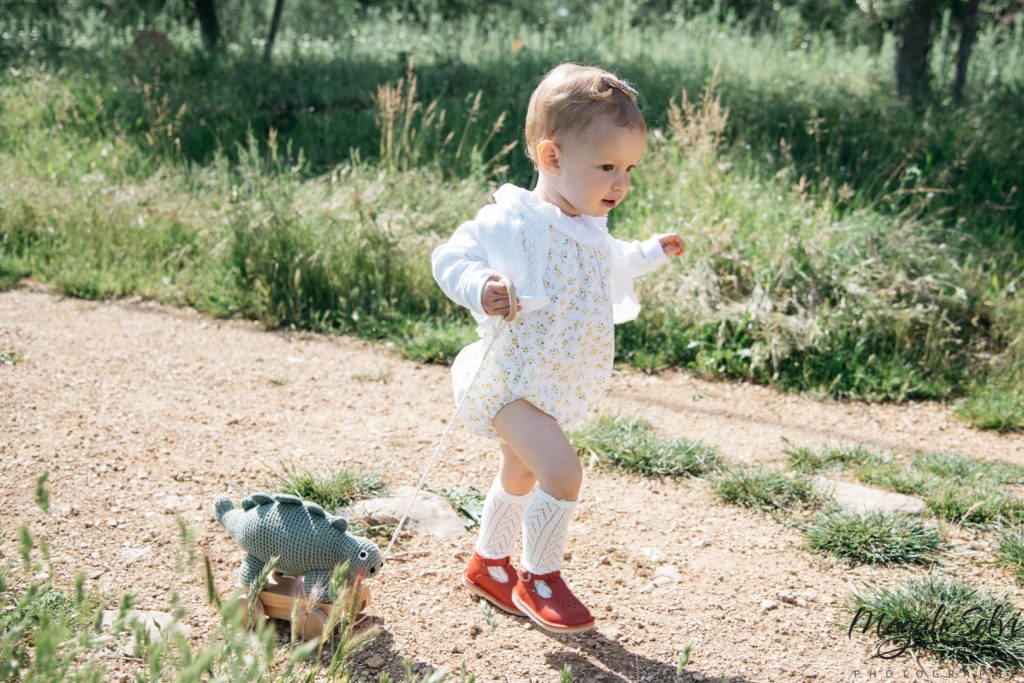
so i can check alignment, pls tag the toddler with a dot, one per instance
(550, 365)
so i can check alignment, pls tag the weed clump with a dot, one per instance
(874, 538)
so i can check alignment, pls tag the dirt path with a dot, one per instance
(140, 411)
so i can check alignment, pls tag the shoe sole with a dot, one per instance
(487, 596)
(548, 626)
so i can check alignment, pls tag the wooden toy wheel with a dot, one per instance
(310, 625)
(257, 615)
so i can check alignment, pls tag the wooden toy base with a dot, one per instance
(277, 601)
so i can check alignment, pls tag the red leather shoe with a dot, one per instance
(477, 579)
(549, 603)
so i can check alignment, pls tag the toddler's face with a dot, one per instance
(596, 164)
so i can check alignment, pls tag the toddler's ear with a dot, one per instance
(547, 158)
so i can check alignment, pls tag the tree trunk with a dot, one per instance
(963, 55)
(206, 10)
(915, 43)
(274, 23)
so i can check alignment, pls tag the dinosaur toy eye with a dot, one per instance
(363, 555)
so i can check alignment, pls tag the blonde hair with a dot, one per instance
(571, 96)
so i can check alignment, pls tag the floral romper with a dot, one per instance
(559, 358)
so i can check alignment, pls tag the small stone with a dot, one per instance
(662, 580)
(648, 588)
(159, 625)
(668, 570)
(810, 674)
(375, 662)
(767, 605)
(787, 597)
(458, 648)
(652, 554)
(697, 676)
(701, 542)
(132, 555)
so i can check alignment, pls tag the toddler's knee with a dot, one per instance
(565, 482)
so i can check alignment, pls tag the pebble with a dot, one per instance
(652, 554)
(769, 605)
(667, 570)
(375, 662)
(787, 597)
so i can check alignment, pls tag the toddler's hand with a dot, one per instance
(672, 244)
(495, 297)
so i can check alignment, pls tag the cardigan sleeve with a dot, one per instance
(631, 260)
(461, 267)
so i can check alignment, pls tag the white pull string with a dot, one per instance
(502, 324)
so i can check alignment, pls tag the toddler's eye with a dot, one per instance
(607, 167)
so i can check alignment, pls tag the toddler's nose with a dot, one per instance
(621, 182)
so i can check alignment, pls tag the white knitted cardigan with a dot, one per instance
(510, 238)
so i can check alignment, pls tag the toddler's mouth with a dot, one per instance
(609, 203)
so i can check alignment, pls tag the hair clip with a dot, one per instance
(613, 82)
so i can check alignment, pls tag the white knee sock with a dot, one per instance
(500, 522)
(545, 525)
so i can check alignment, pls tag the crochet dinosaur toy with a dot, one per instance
(306, 540)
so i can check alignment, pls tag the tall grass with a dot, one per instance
(49, 633)
(826, 252)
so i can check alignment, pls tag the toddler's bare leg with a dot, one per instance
(516, 477)
(539, 443)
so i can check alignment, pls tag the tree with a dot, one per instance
(968, 33)
(915, 43)
(274, 23)
(206, 11)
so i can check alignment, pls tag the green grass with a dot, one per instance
(632, 445)
(52, 633)
(469, 503)
(895, 476)
(1011, 551)
(826, 253)
(9, 357)
(427, 341)
(998, 403)
(983, 506)
(380, 376)
(955, 487)
(958, 468)
(874, 538)
(331, 491)
(768, 489)
(951, 620)
(808, 461)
